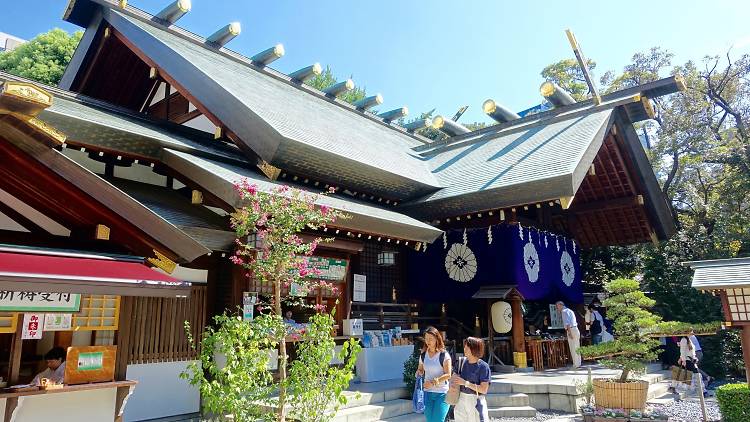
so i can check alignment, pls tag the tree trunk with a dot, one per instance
(282, 354)
(624, 376)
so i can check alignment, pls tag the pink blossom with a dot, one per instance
(324, 209)
(319, 307)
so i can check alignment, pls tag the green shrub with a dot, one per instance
(734, 402)
(410, 367)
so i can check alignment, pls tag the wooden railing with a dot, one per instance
(157, 328)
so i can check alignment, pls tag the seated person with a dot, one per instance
(55, 371)
(288, 318)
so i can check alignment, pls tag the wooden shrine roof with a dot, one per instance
(585, 153)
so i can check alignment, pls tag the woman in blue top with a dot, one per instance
(435, 366)
(474, 379)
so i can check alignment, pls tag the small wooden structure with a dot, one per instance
(730, 279)
(518, 341)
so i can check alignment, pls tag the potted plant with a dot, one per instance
(628, 307)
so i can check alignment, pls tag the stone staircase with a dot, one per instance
(506, 398)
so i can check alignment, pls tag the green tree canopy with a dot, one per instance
(42, 59)
(327, 78)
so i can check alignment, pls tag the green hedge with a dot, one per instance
(734, 402)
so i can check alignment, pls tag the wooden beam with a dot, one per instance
(170, 80)
(123, 337)
(21, 219)
(606, 204)
(81, 86)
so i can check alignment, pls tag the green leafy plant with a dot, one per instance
(675, 328)
(734, 402)
(317, 386)
(628, 307)
(410, 368)
(232, 372)
(43, 58)
(585, 388)
(233, 376)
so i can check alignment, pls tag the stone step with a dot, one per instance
(411, 417)
(512, 412)
(500, 387)
(374, 412)
(357, 398)
(658, 389)
(507, 399)
(664, 399)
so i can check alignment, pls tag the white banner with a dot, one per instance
(58, 322)
(39, 301)
(360, 288)
(32, 326)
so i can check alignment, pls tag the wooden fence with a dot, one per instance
(157, 327)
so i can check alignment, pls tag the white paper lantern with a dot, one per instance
(502, 317)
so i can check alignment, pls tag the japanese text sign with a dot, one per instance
(39, 301)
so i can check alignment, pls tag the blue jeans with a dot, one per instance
(435, 407)
(596, 339)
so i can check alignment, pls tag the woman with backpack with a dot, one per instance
(473, 375)
(435, 367)
(597, 324)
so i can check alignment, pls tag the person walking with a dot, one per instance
(474, 379)
(435, 367)
(689, 360)
(571, 330)
(699, 356)
(596, 322)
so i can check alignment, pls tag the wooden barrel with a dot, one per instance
(620, 395)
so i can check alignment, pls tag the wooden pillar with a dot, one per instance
(490, 334)
(517, 337)
(122, 339)
(746, 350)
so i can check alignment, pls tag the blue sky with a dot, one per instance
(444, 54)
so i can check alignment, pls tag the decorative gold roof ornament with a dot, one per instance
(48, 130)
(23, 98)
(162, 262)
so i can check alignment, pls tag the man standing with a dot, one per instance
(571, 329)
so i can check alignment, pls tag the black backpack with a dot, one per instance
(442, 357)
(596, 327)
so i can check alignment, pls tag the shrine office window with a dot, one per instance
(383, 266)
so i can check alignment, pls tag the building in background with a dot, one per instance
(9, 42)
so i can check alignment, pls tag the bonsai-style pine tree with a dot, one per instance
(628, 307)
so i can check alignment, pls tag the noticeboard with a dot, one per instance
(331, 269)
(90, 364)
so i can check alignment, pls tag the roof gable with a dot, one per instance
(279, 120)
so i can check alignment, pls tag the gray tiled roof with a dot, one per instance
(513, 167)
(92, 125)
(219, 178)
(93, 122)
(279, 121)
(721, 273)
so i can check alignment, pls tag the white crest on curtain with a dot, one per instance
(460, 263)
(445, 240)
(531, 262)
(574, 245)
(546, 244)
(567, 268)
(520, 231)
(489, 235)
(466, 239)
(557, 243)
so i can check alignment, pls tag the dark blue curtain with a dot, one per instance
(544, 267)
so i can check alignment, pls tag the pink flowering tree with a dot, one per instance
(270, 248)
